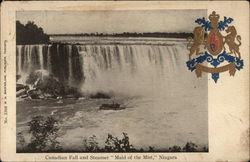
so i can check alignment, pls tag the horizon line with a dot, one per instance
(124, 33)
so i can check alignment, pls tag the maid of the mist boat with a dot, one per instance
(112, 106)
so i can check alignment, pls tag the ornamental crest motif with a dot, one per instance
(214, 53)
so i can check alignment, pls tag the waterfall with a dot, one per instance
(40, 53)
(19, 59)
(48, 59)
(69, 48)
(138, 69)
(131, 69)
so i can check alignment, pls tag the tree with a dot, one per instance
(30, 34)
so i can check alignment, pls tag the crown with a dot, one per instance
(214, 17)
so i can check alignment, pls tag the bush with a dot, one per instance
(204, 149)
(21, 141)
(151, 149)
(44, 134)
(113, 144)
(90, 144)
(190, 147)
(175, 149)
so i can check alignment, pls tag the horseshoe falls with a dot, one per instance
(166, 104)
(122, 69)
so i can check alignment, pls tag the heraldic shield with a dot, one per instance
(211, 45)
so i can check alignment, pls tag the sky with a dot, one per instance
(75, 22)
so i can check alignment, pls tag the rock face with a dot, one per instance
(21, 90)
(21, 86)
(41, 85)
(21, 93)
(35, 94)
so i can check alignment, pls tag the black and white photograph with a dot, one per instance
(108, 81)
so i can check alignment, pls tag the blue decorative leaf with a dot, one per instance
(229, 58)
(221, 58)
(191, 65)
(215, 62)
(223, 24)
(205, 24)
(239, 64)
(215, 77)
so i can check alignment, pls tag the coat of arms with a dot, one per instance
(213, 49)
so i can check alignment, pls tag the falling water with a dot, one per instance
(49, 58)
(123, 69)
(70, 63)
(40, 52)
(130, 69)
(19, 58)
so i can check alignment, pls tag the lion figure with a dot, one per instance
(198, 40)
(230, 41)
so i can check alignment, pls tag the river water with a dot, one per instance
(165, 103)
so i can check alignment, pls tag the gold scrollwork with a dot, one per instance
(201, 68)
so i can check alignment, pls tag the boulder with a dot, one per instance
(21, 93)
(45, 85)
(35, 94)
(21, 86)
(18, 77)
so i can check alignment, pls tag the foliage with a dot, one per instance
(113, 144)
(44, 134)
(204, 149)
(190, 147)
(90, 144)
(21, 140)
(30, 34)
(175, 149)
(151, 149)
(44, 139)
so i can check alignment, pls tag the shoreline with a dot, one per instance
(72, 40)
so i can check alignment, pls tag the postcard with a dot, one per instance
(124, 81)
